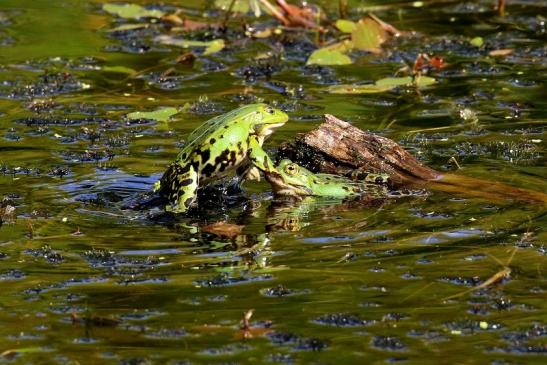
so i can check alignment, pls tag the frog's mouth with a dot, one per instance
(268, 129)
(281, 187)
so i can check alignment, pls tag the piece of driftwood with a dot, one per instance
(338, 147)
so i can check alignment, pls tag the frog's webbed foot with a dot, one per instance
(180, 184)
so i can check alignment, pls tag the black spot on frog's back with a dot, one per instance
(205, 155)
(225, 160)
(208, 170)
(186, 182)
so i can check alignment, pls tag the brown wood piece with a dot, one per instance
(357, 149)
(338, 147)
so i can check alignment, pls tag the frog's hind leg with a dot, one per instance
(182, 184)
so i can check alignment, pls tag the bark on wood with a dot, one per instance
(340, 148)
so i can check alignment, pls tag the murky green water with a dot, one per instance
(84, 281)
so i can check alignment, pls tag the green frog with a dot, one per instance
(218, 147)
(294, 180)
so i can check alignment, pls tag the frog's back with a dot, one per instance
(213, 126)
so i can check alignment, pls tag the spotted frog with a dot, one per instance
(217, 148)
(292, 179)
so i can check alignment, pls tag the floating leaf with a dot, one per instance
(405, 81)
(477, 41)
(210, 47)
(224, 229)
(382, 85)
(125, 27)
(119, 69)
(325, 56)
(424, 81)
(368, 35)
(346, 26)
(9, 354)
(331, 55)
(214, 46)
(160, 115)
(500, 52)
(132, 11)
(358, 89)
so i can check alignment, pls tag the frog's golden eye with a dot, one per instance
(291, 169)
(269, 110)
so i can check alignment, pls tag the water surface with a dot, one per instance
(85, 281)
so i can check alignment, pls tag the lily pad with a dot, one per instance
(368, 35)
(477, 41)
(214, 46)
(160, 115)
(132, 11)
(381, 85)
(346, 26)
(332, 55)
(406, 81)
(211, 47)
(327, 57)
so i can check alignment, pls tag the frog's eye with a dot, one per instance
(291, 169)
(269, 110)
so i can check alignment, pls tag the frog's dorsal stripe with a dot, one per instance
(212, 124)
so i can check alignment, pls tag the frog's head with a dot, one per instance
(265, 119)
(294, 180)
(291, 179)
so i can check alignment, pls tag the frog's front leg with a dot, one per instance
(259, 158)
(181, 183)
(248, 172)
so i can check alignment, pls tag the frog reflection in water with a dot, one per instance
(295, 181)
(217, 148)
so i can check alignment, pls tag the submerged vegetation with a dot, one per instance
(97, 98)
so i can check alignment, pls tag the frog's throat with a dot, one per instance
(268, 129)
(280, 187)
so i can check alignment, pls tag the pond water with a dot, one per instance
(442, 278)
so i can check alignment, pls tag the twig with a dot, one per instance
(245, 324)
(386, 26)
(453, 159)
(30, 229)
(275, 12)
(497, 277)
(228, 12)
(501, 7)
(343, 8)
(294, 18)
